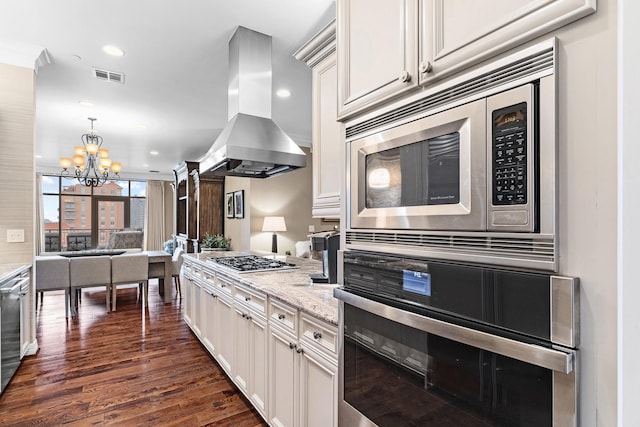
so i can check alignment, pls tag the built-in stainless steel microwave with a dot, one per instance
(481, 167)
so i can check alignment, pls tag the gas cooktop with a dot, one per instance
(252, 263)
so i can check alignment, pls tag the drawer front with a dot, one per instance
(224, 287)
(254, 300)
(208, 276)
(284, 316)
(319, 335)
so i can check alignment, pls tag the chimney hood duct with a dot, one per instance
(251, 144)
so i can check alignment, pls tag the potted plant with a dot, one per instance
(215, 242)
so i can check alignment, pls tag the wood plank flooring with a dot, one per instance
(121, 368)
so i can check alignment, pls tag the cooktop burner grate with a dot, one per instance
(252, 263)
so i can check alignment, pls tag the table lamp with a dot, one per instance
(274, 223)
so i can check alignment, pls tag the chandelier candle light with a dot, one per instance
(91, 162)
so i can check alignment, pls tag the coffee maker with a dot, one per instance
(328, 245)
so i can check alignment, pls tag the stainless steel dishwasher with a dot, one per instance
(11, 291)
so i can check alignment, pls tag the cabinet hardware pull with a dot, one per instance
(248, 317)
(280, 316)
(317, 335)
(243, 315)
(300, 350)
(426, 67)
(405, 77)
(247, 299)
(222, 285)
(292, 345)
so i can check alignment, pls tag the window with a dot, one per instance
(66, 196)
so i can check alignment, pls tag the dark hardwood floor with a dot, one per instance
(120, 368)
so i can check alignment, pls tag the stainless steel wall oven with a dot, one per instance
(438, 343)
(464, 171)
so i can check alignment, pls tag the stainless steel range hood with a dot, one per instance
(251, 144)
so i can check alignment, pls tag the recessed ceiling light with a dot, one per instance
(154, 153)
(283, 93)
(38, 156)
(112, 50)
(77, 57)
(86, 103)
(145, 165)
(141, 125)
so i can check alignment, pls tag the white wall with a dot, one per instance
(628, 208)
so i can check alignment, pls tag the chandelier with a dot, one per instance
(91, 162)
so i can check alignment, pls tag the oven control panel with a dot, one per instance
(509, 154)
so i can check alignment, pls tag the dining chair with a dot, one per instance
(52, 274)
(130, 268)
(88, 272)
(176, 265)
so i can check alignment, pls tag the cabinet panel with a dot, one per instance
(327, 140)
(319, 388)
(455, 34)
(377, 44)
(258, 364)
(241, 332)
(282, 379)
(226, 314)
(211, 325)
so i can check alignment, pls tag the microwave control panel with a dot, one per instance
(509, 154)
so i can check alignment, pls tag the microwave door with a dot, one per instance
(428, 174)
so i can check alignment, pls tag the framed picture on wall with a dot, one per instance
(231, 212)
(238, 202)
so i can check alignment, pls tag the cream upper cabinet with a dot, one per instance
(377, 51)
(388, 47)
(319, 53)
(455, 34)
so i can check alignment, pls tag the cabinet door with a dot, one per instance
(283, 381)
(188, 291)
(455, 34)
(318, 390)
(195, 309)
(258, 364)
(328, 142)
(210, 328)
(25, 318)
(225, 328)
(241, 327)
(377, 48)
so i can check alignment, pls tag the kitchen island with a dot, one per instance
(273, 334)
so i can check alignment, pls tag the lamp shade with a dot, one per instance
(274, 223)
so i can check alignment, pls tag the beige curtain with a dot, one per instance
(154, 218)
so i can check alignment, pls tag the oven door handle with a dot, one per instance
(547, 358)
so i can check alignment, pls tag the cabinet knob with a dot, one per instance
(317, 335)
(300, 350)
(248, 317)
(247, 299)
(280, 316)
(426, 67)
(405, 77)
(222, 285)
(292, 345)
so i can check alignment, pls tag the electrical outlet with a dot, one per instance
(312, 228)
(15, 236)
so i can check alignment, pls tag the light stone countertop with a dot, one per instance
(290, 286)
(8, 271)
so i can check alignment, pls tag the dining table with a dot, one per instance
(160, 267)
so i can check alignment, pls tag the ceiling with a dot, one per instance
(174, 97)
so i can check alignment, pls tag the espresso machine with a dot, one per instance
(328, 244)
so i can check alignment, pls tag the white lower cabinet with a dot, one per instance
(284, 361)
(318, 388)
(283, 378)
(225, 320)
(303, 381)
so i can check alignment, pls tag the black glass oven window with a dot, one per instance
(399, 376)
(422, 173)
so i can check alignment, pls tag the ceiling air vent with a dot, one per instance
(111, 76)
